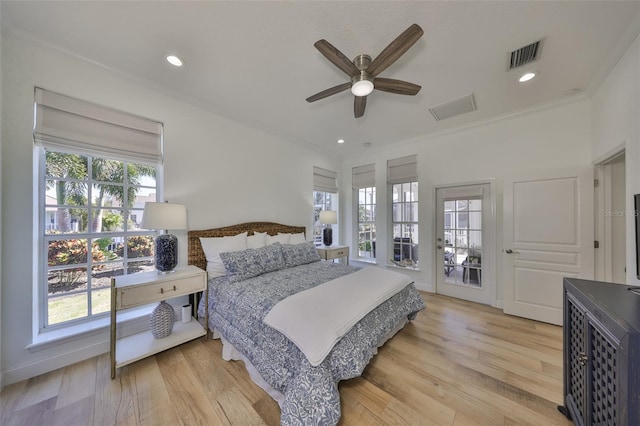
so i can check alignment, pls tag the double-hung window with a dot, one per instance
(364, 187)
(402, 177)
(97, 167)
(325, 197)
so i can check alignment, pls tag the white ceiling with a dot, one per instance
(255, 61)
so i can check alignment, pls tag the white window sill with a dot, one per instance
(129, 321)
(403, 268)
(364, 260)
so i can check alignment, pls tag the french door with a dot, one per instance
(465, 243)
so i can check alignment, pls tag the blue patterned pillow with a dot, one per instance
(299, 254)
(253, 262)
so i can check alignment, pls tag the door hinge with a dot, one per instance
(596, 244)
(596, 182)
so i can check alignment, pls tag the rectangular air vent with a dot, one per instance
(452, 108)
(525, 54)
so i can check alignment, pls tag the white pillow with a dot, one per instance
(212, 248)
(257, 240)
(280, 238)
(297, 238)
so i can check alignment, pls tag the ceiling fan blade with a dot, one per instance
(359, 104)
(328, 92)
(336, 57)
(398, 87)
(395, 49)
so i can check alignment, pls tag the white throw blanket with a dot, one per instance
(316, 319)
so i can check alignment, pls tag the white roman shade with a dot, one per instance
(364, 176)
(461, 192)
(402, 170)
(325, 180)
(70, 124)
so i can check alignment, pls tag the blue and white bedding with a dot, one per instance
(238, 305)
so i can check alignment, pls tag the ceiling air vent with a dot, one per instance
(525, 54)
(452, 108)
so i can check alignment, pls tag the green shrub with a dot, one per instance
(72, 252)
(138, 246)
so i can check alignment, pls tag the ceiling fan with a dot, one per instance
(364, 72)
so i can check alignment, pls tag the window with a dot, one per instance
(463, 240)
(402, 177)
(92, 208)
(321, 201)
(364, 187)
(367, 222)
(325, 197)
(405, 223)
(96, 169)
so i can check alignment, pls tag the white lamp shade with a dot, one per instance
(164, 216)
(328, 217)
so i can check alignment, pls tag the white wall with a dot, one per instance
(552, 138)
(1, 101)
(615, 119)
(223, 171)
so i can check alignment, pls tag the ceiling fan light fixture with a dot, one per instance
(174, 60)
(361, 85)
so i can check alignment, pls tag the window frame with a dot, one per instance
(414, 225)
(44, 237)
(371, 223)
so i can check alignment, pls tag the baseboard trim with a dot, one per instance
(27, 371)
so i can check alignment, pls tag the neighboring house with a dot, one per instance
(229, 172)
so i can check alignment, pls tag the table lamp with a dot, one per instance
(328, 218)
(165, 216)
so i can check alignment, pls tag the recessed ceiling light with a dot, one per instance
(174, 60)
(340, 140)
(526, 77)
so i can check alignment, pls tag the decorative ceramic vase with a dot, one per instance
(162, 319)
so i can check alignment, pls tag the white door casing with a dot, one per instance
(548, 235)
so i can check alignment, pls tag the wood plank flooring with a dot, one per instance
(458, 363)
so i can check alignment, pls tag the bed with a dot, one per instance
(252, 286)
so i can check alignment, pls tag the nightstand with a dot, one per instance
(334, 252)
(129, 291)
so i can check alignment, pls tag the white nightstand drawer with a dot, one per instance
(334, 254)
(153, 292)
(330, 253)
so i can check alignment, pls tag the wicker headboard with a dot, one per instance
(196, 254)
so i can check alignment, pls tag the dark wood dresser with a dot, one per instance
(601, 353)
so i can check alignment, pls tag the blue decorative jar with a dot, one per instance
(166, 252)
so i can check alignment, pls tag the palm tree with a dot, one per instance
(72, 191)
(105, 171)
(71, 171)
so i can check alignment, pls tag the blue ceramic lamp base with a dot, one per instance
(327, 235)
(166, 253)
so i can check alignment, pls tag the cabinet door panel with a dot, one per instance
(603, 398)
(577, 353)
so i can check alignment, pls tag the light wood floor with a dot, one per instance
(458, 363)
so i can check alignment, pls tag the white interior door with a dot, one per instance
(465, 243)
(548, 235)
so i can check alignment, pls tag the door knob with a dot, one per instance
(509, 251)
(439, 247)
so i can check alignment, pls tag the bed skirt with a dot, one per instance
(230, 353)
